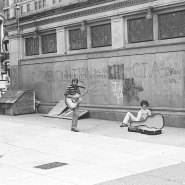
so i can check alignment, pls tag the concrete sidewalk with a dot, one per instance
(101, 152)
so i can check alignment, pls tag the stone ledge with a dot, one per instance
(173, 117)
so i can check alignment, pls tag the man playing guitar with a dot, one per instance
(71, 91)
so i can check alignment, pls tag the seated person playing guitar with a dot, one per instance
(71, 91)
(142, 114)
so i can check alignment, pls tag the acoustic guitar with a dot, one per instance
(151, 126)
(76, 99)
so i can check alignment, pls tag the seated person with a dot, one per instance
(141, 116)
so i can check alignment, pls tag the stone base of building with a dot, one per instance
(172, 117)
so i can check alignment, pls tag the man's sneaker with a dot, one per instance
(74, 130)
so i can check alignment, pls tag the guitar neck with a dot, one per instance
(86, 92)
(83, 94)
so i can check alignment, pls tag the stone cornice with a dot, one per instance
(64, 9)
(75, 14)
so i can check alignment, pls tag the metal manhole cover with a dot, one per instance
(51, 165)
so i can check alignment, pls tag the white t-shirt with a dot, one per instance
(143, 114)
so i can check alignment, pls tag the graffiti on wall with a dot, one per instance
(81, 73)
(117, 89)
(126, 89)
(65, 75)
(124, 81)
(166, 69)
(116, 72)
(127, 80)
(123, 87)
(170, 73)
(131, 89)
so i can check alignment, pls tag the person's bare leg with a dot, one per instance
(126, 121)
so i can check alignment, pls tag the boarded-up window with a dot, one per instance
(32, 46)
(49, 43)
(101, 35)
(77, 39)
(172, 25)
(140, 30)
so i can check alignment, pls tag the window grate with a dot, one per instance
(78, 39)
(172, 25)
(101, 35)
(140, 30)
(49, 43)
(32, 46)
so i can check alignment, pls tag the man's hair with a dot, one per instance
(74, 80)
(144, 102)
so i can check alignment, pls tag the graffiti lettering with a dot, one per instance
(100, 73)
(117, 90)
(155, 69)
(173, 81)
(139, 70)
(66, 75)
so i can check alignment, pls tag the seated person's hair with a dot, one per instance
(144, 102)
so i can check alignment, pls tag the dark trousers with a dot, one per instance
(75, 117)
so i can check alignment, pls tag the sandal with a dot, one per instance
(123, 125)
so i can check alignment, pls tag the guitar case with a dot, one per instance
(151, 126)
(149, 131)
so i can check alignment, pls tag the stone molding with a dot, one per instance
(75, 14)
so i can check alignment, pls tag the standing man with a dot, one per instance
(73, 93)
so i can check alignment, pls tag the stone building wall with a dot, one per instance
(124, 72)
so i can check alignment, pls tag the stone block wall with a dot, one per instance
(122, 79)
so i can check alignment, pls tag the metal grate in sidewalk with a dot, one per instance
(51, 165)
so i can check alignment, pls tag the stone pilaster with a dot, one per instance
(155, 26)
(15, 54)
(117, 28)
(61, 40)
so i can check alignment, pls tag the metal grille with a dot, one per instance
(77, 39)
(49, 43)
(101, 35)
(140, 30)
(50, 165)
(172, 25)
(32, 46)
